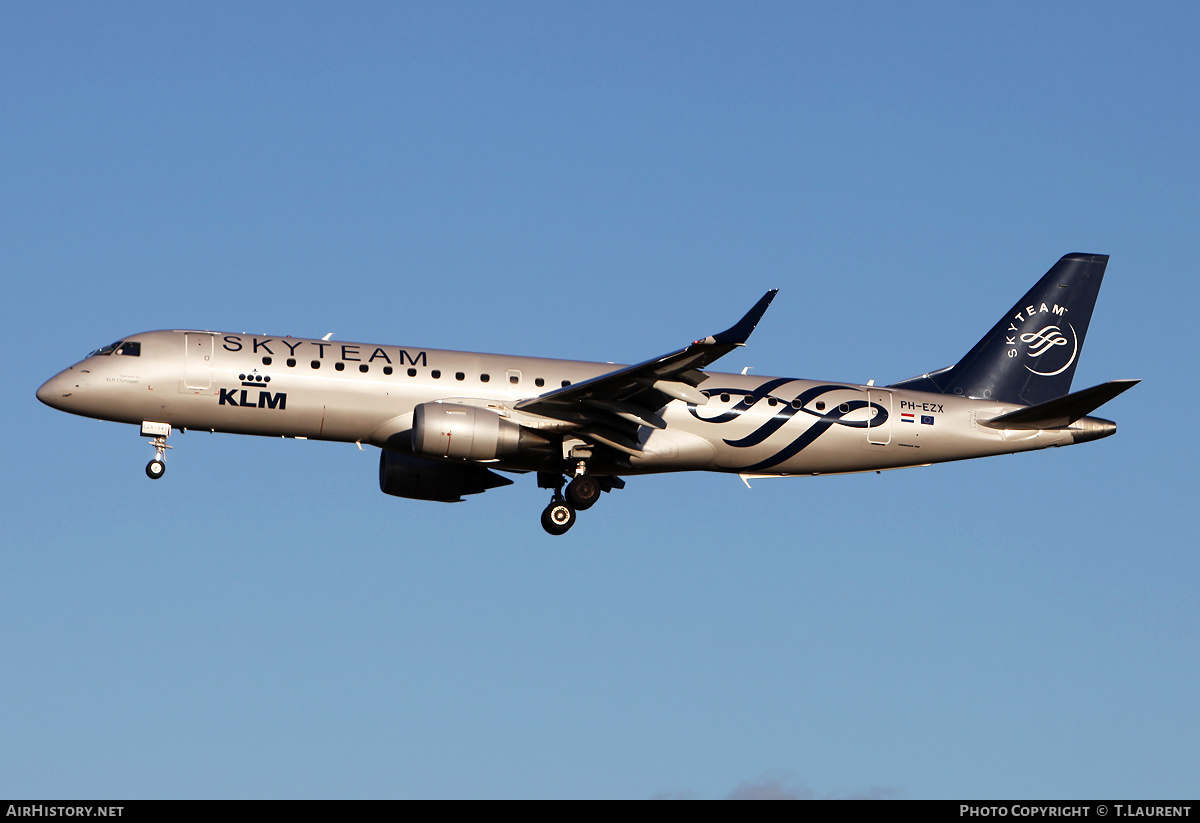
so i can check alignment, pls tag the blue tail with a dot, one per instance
(1029, 357)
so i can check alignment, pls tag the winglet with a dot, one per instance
(739, 333)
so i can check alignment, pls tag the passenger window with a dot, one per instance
(316, 364)
(435, 374)
(387, 369)
(483, 378)
(566, 383)
(412, 372)
(459, 376)
(539, 382)
(339, 365)
(364, 368)
(266, 361)
(291, 361)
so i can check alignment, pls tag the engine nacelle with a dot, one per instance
(465, 432)
(403, 475)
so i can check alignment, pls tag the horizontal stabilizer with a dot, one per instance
(1062, 411)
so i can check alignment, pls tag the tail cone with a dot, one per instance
(1092, 428)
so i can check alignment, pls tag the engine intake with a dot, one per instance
(465, 432)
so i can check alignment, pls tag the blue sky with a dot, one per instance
(604, 182)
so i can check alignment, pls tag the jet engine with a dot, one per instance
(403, 475)
(466, 432)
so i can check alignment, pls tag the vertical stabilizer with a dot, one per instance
(1030, 356)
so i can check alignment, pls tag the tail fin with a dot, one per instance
(1029, 357)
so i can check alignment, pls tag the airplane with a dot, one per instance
(448, 422)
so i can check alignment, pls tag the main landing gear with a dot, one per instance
(159, 432)
(581, 493)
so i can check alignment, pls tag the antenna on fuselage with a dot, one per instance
(326, 337)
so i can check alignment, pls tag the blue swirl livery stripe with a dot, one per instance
(822, 424)
(758, 394)
(819, 428)
(784, 415)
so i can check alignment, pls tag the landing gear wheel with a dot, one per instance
(558, 517)
(155, 469)
(583, 491)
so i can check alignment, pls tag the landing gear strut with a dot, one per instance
(159, 432)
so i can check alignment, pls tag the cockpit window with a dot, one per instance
(130, 349)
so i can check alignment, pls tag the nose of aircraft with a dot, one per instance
(55, 390)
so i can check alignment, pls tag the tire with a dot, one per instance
(558, 518)
(155, 469)
(583, 492)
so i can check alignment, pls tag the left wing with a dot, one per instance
(610, 407)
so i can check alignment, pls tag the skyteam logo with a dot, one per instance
(1042, 340)
(1059, 346)
(1048, 340)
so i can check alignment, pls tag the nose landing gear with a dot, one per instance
(159, 432)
